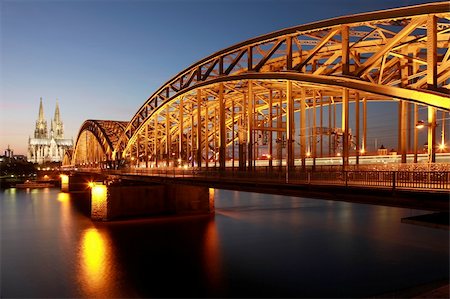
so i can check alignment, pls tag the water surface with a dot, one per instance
(256, 245)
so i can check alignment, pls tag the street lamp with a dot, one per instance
(431, 137)
(420, 124)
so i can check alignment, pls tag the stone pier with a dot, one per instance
(115, 201)
(111, 200)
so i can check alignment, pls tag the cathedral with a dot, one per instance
(45, 147)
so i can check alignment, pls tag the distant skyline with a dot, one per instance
(103, 59)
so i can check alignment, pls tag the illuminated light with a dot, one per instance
(338, 154)
(132, 158)
(63, 197)
(64, 182)
(185, 167)
(12, 175)
(45, 177)
(269, 156)
(211, 200)
(93, 260)
(442, 146)
(91, 184)
(308, 154)
(99, 195)
(420, 124)
(179, 160)
(99, 189)
(212, 258)
(362, 151)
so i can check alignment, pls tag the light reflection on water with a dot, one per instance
(212, 262)
(93, 260)
(256, 245)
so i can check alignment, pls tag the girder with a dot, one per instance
(377, 41)
(106, 134)
(276, 87)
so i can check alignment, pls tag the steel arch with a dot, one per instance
(105, 132)
(388, 51)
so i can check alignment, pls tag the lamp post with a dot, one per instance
(431, 138)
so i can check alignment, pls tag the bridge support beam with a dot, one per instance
(432, 83)
(289, 127)
(180, 132)
(155, 142)
(403, 120)
(168, 141)
(199, 128)
(303, 128)
(345, 128)
(357, 153)
(270, 132)
(279, 129)
(416, 131)
(250, 125)
(222, 131)
(431, 135)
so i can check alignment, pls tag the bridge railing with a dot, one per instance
(419, 180)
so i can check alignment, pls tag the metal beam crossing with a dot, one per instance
(229, 105)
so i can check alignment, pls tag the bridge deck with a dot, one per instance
(423, 190)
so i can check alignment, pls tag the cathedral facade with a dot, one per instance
(48, 146)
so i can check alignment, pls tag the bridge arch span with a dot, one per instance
(287, 91)
(405, 48)
(179, 133)
(96, 142)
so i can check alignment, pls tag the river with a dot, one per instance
(256, 245)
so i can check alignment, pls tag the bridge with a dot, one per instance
(291, 106)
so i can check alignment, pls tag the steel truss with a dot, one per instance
(96, 142)
(285, 86)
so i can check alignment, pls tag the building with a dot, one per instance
(48, 146)
(9, 153)
(382, 151)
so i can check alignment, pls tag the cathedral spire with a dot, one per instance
(41, 112)
(57, 117)
(41, 123)
(57, 125)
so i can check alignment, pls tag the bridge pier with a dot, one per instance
(115, 201)
(110, 200)
(76, 183)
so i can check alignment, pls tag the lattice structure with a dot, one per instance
(96, 142)
(281, 86)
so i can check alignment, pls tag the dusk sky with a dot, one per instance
(103, 59)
